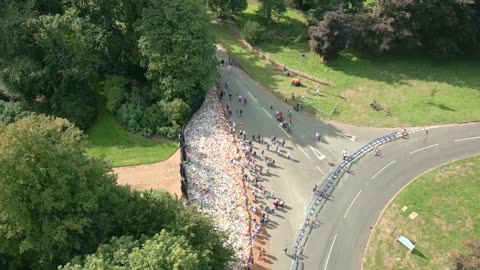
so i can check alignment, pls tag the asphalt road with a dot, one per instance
(341, 239)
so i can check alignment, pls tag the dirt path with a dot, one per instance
(162, 175)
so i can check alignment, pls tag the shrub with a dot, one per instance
(253, 32)
(130, 116)
(75, 101)
(12, 111)
(168, 132)
(114, 90)
(154, 117)
(177, 110)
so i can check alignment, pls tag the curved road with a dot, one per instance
(361, 196)
(311, 160)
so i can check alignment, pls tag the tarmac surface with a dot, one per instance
(359, 197)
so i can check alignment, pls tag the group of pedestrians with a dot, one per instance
(259, 154)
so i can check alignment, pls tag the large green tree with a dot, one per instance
(55, 202)
(270, 7)
(50, 75)
(225, 8)
(177, 50)
(162, 251)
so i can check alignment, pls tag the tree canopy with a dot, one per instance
(158, 51)
(226, 8)
(441, 29)
(57, 203)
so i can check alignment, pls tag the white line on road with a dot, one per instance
(317, 153)
(466, 139)
(267, 113)
(383, 169)
(347, 136)
(348, 210)
(330, 252)
(321, 171)
(284, 131)
(303, 151)
(252, 97)
(418, 150)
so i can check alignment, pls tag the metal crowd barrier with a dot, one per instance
(316, 205)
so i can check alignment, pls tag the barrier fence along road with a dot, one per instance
(317, 203)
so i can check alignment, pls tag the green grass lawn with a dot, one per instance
(448, 206)
(275, 80)
(403, 83)
(108, 139)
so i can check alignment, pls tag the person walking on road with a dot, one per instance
(317, 135)
(315, 188)
(344, 154)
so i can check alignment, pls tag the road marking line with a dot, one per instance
(316, 152)
(418, 150)
(303, 151)
(347, 136)
(252, 97)
(348, 210)
(267, 113)
(466, 139)
(321, 171)
(330, 252)
(284, 131)
(383, 169)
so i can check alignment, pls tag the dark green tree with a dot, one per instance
(146, 213)
(162, 251)
(11, 111)
(55, 202)
(225, 8)
(270, 7)
(177, 49)
(51, 75)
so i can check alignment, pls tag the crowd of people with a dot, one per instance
(214, 171)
